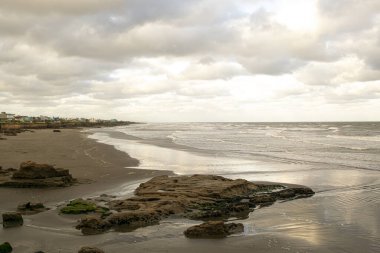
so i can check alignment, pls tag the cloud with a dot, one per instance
(346, 70)
(141, 55)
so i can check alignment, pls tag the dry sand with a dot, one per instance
(98, 167)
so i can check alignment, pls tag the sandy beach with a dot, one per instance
(293, 226)
(98, 167)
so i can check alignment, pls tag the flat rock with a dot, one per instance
(198, 197)
(90, 250)
(214, 229)
(31, 208)
(34, 175)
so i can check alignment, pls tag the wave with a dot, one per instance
(356, 138)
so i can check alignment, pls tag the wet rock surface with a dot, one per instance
(213, 229)
(90, 250)
(31, 208)
(12, 219)
(34, 175)
(198, 197)
(92, 225)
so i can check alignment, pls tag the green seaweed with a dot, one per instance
(79, 206)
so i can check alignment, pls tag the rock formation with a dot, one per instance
(214, 229)
(34, 175)
(12, 220)
(5, 248)
(90, 250)
(198, 197)
(80, 206)
(31, 208)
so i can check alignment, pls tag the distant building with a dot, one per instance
(6, 116)
(3, 116)
(44, 118)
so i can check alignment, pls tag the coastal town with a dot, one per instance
(10, 122)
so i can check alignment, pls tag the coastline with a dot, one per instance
(98, 167)
(293, 226)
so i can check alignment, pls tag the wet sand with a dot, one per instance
(318, 224)
(98, 167)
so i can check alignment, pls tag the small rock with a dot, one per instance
(12, 220)
(31, 208)
(92, 225)
(56, 131)
(5, 248)
(90, 250)
(130, 220)
(214, 229)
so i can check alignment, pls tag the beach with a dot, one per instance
(98, 167)
(334, 220)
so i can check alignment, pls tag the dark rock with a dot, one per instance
(33, 175)
(200, 197)
(56, 131)
(31, 208)
(90, 250)
(303, 191)
(291, 193)
(131, 220)
(92, 225)
(5, 248)
(32, 170)
(12, 220)
(80, 206)
(214, 229)
(262, 198)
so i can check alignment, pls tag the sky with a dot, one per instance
(193, 60)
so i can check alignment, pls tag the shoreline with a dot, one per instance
(98, 167)
(299, 225)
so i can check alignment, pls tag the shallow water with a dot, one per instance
(340, 161)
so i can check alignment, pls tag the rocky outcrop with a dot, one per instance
(5, 248)
(199, 197)
(130, 220)
(12, 220)
(80, 206)
(92, 225)
(34, 175)
(31, 208)
(90, 250)
(214, 229)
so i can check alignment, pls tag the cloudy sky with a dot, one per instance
(193, 60)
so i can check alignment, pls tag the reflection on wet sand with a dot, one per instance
(341, 217)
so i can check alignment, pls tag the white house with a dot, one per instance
(7, 116)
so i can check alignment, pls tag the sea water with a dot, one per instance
(340, 161)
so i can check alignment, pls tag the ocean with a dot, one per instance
(340, 161)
